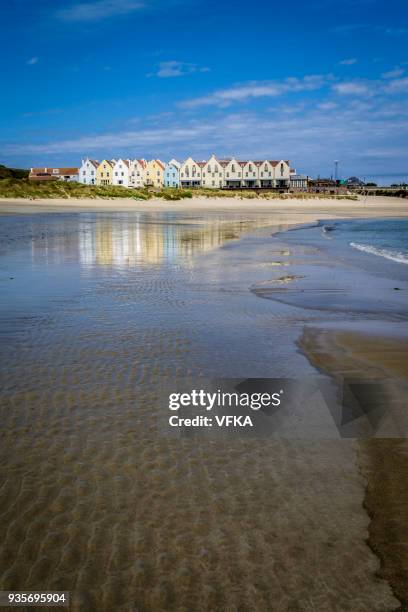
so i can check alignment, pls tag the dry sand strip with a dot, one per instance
(306, 210)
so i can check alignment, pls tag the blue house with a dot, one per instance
(172, 174)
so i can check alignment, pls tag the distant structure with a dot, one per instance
(68, 175)
(299, 182)
(336, 169)
(353, 182)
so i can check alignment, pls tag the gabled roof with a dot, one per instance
(54, 171)
(201, 164)
(107, 161)
(94, 162)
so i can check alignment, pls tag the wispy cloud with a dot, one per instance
(397, 86)
(396, 31)
(174, 68)
(351, 88)
(348, 62)
(100, 9)
(32, 61)
(309, 137)
(256, 89)
(394, 73)
(347, 28)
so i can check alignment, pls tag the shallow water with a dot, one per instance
(97, 311)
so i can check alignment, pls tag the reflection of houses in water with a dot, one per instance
(150, 240)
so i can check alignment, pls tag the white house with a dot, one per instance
(121, 172)
(281, 173)
(87, 171)
(190, 173)
(233, 173)
(249, 174)
(265, 173)
(137, 171)
(212, 174)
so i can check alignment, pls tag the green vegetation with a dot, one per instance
(24, 188)
(12, 173)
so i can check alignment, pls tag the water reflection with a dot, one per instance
(135, 239)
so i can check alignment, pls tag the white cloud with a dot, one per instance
(327, 105)
(394, 73)
(99, 9)
(351, 88)
(256, 89)
(174, 68)
(32, 61)
(348, 62)
(398, 86)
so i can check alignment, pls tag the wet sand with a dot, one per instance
(383, 462)
(93, 500)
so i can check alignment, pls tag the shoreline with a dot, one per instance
(311, 209)
(383, 458)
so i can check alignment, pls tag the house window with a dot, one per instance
(123, 174)
(83, 173)
(116, 174)
(266, 167)
(281, 169)
(233, 168)
(228, 174)
(213, 183)
(250, 168)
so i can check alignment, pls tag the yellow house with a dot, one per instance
(154, 173)
(104, 172)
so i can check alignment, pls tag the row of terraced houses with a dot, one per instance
(213, 173)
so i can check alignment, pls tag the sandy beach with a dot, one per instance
(300, 211)
(99, 311)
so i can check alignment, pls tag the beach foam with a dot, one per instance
(397, 256)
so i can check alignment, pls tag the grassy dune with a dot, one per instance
(24, 188)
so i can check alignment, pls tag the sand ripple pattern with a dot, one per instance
(94, 502)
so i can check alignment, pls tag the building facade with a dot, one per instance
(172, 174)
(121, 173)
(212, 174)
(299, 182)
(104, 172)
(87, 171)
(190, 173)
(137, 173)
(154, 173)
(67, 175)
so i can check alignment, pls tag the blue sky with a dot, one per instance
(307, 81)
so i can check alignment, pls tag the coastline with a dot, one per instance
(310, 210)
(382, 460)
